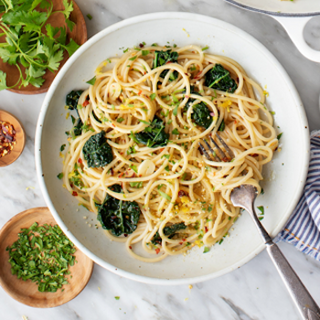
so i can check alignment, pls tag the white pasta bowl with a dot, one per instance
(284, 176)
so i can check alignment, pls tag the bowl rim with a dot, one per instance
(51, 91)
(272, 13)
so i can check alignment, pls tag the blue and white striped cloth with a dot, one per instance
(303, 227)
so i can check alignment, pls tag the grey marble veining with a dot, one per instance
(253, 292)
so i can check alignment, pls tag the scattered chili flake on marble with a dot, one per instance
(7, 138)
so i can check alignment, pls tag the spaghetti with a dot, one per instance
(154, 105)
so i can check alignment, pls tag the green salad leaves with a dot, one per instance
(118, 216)
(27, 44)
(97, 151)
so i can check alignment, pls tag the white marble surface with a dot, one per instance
(253, 292)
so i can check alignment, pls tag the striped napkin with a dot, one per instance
(303, 227)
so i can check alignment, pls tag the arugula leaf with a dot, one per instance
(97, 151)
(169, 231)
(118, 216)
(219, 78)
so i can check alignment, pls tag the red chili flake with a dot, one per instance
(7, 138)
(75, 194)
(111, 171)
(71, 185)
(180, 243)
(125, 234)
(161, 149)
(197, 76)
(141, 45)
(206, 229)
(184, 239)
(235, 121)
(113, 125)
(157, 250)
(139, 92)
(255, 155)
(168, 62)
(131, 248)
(121, 174)
(181, 193)
(80, 160)
(85, 103)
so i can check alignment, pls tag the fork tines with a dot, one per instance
(218, 155)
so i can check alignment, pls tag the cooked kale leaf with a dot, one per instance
(219, 78)
(154, 135)
(118, 216)
(163, 57)
(72, 99)
(169, 231)
(77, 128)
(201, 113)
(97, 151)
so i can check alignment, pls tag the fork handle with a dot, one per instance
(308, 308)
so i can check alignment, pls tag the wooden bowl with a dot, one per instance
(20, 139)
(78, 34)
(27, 291)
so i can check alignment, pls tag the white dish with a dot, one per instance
(283, 183)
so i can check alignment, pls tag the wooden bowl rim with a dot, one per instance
(20, 138)
(18, 219)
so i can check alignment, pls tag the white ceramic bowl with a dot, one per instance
(284, 177)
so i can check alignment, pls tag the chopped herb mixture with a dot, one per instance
(42, 254)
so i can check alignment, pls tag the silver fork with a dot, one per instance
(244, 197)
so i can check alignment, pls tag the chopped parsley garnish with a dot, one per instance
(279, 135)
(42, 254)
(206, 249)
(92, 81)
(60, 176)
(164, 195)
